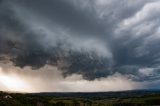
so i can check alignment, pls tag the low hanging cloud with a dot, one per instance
(49, 79)
(92, 39)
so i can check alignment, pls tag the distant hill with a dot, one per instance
(121, 98)
(114, 94)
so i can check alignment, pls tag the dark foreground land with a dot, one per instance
(125, 98)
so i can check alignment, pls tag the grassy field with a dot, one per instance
(85, 99)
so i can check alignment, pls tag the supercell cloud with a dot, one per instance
(66, 44)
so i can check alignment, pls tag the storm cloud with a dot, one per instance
(95, 39)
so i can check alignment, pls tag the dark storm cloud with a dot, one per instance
(93, 38)
(65, 14)
(24, 48)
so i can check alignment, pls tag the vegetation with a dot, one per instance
(56, 99)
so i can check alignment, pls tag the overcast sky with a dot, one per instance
(79, 45)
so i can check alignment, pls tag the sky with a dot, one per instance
(79, 45)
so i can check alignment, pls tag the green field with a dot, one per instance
(17, 99)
